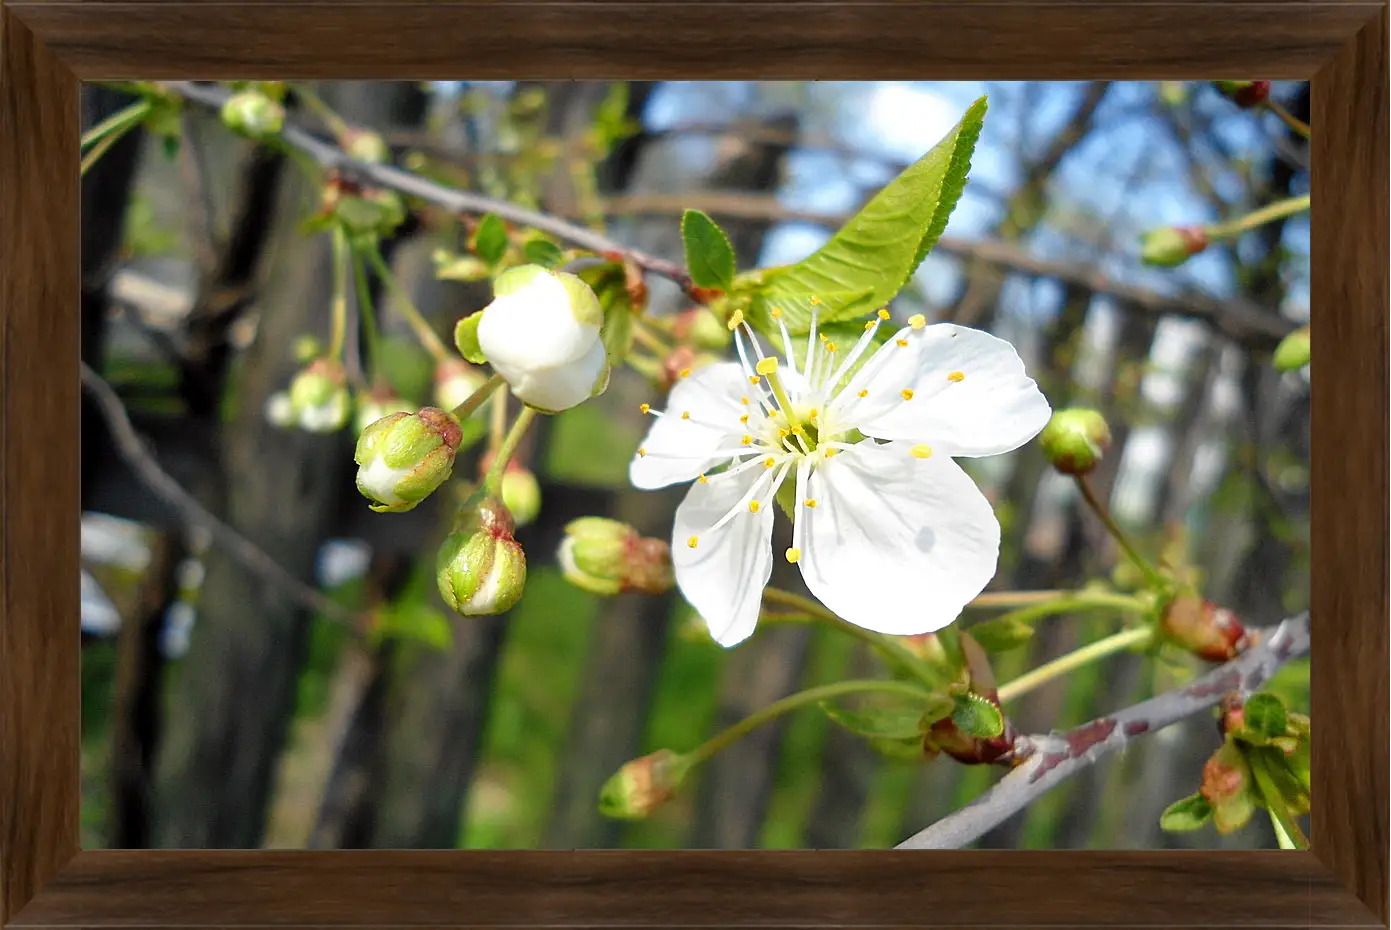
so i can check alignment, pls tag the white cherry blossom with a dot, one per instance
(888, 531)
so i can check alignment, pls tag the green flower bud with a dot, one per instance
(319, 397)
(402, 458)
(480, 568)
(1075, 440)
(307, 348)
(643, 785)
(606, 557)
(1245, 94)
(1171, 246)
(252, 114)
(1292, 353)
(367, 146)
(375, 405)
(1229, 787)
(1173, 93)
(521, 493)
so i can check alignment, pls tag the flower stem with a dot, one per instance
(104, 144)
(1281, 836)
(413, 316)
(493, 482)
(1289, 119)
(1269, 213)
(116, 124)
(335, 123)
(1286, 829)
(497, 427)
(725, 738)
(649, 339)
(369, 319)
(1015, 598)
(882, 644)
(1067, 601)
(340, 294)
(1089, 495)
(476, 399)
(1118, 642)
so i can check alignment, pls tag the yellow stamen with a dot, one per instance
(735, 320)
(815, 301)
(753, 506)
(902, 343)
(869, 325)
(830, 347)
(744, 401)
(863, 394)
(744, 419)
(685, 414)
(917, 321)
(831, 452)
(921, 451)
(766, 366)
(812, 414)
(906, 393)
(641, 453)
(956, 376)
(685, 372)
(784, 433)
(692, 541)
(646, 408)
(811, 502)
(753, 379)
(824, 337)
(703, 480)
(883, 313)
(775, 313)
(746, 440)
(769, 462)
(793, 555)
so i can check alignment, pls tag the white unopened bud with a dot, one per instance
(319, 397)
(541, 333)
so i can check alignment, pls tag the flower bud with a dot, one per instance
(1207, 631)
(521, 494)
(373, 213)
(643, 785)
(1245, 94)
(945, 737)
(319, 397)
(307, 348)
(480, 568)
(541, 333)
(702, 329)
(1227, 786)
(1292, 353)
(455, 382)
(404, 457)
(1171, 246)
(1075, 440)
(367, 146)
(280, 410)
(253, 114)
(377, 404)
(606, 557)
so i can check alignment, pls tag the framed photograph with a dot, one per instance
(785, 464)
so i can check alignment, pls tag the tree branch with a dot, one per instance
(133, 451)
(331, 157)
(1057, 756)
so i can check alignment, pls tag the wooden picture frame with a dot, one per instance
(48, 46)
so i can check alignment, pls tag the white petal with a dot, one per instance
(676, 449)
(896, 544)
(564, 386)
(723, 576)
(971, 395)
(533, 327)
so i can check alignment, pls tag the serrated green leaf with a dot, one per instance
(543, 252)
(490, 240)
(975, 716)
(709, 256)
(876, 252)
(466, 338)
(1264, 717)
(1001, 634)
(1186, 815)
(898, 722)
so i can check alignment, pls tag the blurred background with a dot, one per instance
(220, 711)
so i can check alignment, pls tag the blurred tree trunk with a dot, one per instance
(630, 633)
(233, 696)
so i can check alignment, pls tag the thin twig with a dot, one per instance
(133, 451)
(331, 157)
(1053, 758)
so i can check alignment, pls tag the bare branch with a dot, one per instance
(133, 451)
(1058, 756)
(331, 157)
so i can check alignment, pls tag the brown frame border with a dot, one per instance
(47, 46)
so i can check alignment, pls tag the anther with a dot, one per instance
(685, 414)
(956, 376)
(864, 393)
(794, 554)
(646, 408)
(753, 506)
(692, 541)
(685, 372)
(811, 502)
(883, 313)
(902, 343)
(753, 379)
(870, 325)
(746, 440)
(775, 312)
(641, 453)
(735, 320)
(744, 401)
(814, 301)
(830, 347)
(906, 393)
(769, 462)
(744, 419)
(921, 452)
(831, 452)
(811, 414)
(766, 366)
(917, 321)
(703, 480)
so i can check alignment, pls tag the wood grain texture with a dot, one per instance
(39, 296)
(705, 888)
(792, 39)
(1348, 473)
(43, 42)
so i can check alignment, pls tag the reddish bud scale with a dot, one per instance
(681, 327)
(1252, 95)
(703, 295)
(944, 737)
(1209, 632)
(444, 425)
(1194, 238)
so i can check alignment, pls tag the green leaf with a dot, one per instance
(709, 256)
(316, 223)
(1001, 634)
(543, 252)
(869, 260)
(466, 338)
(451, 267)
(609, 283)
(490, 241)
(975, 716)
(1186, 815)
(1264, 716)
(881, 722)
